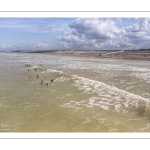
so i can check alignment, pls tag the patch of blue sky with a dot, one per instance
(31, 30)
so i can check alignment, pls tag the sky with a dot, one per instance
(74, 33)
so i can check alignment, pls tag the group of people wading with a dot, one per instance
(42, 82)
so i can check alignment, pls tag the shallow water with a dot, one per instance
(87, 95)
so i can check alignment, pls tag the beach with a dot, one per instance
(120, 54)
(89, 93)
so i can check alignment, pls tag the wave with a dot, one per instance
(45, 71)
(36, 67)
(11, 57)
(62, 79)
(92, 86)
(96, 86)
(109, 97)
(53, 71)
(98, 94)
(102, 95)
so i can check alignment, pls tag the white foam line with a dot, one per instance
(112, 52)
(96, 85)
(53, 71)
(36, 67)
(62, 79)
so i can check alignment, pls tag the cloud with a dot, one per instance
(44, 27)
(6, 46)
(90, 33)
(37, 46)
(144, 24)
(79, 33)
(138, 30)
(41, 45)
(138, 34)
(96, 28)
(101, 33)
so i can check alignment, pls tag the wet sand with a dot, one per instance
(120, 54)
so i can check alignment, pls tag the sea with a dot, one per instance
(88, 94)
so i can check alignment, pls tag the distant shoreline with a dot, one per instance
(118, 54)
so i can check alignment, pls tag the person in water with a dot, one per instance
(28, 69)
(42, 82)
(28, 65)
(35, 69)
(37, 76)
(30, 77)
(52, 80)
(48, 83)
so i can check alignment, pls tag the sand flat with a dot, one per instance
(121, 54)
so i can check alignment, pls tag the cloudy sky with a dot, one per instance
(74, 33)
